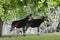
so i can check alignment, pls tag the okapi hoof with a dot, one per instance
(38, 34)
(24, 35)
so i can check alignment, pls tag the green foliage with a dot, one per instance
(11, 9)
(1, 11)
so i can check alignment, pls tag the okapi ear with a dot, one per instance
(30, 14)
(43, 16)
(46, 16)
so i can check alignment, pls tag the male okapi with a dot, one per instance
(36, 23)
(21, 23)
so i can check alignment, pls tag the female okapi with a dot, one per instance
(21, 23)
(36, 22)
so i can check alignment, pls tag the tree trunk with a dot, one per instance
(1, 25)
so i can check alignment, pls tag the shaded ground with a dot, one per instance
(11, 36)
(48, 36)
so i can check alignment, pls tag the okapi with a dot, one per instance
(36, 23)
(21, 23)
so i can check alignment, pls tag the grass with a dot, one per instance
(48, 36)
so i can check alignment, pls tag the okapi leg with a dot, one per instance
(27, 26)
(38, 30)
(24, 31)
(11, 28)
